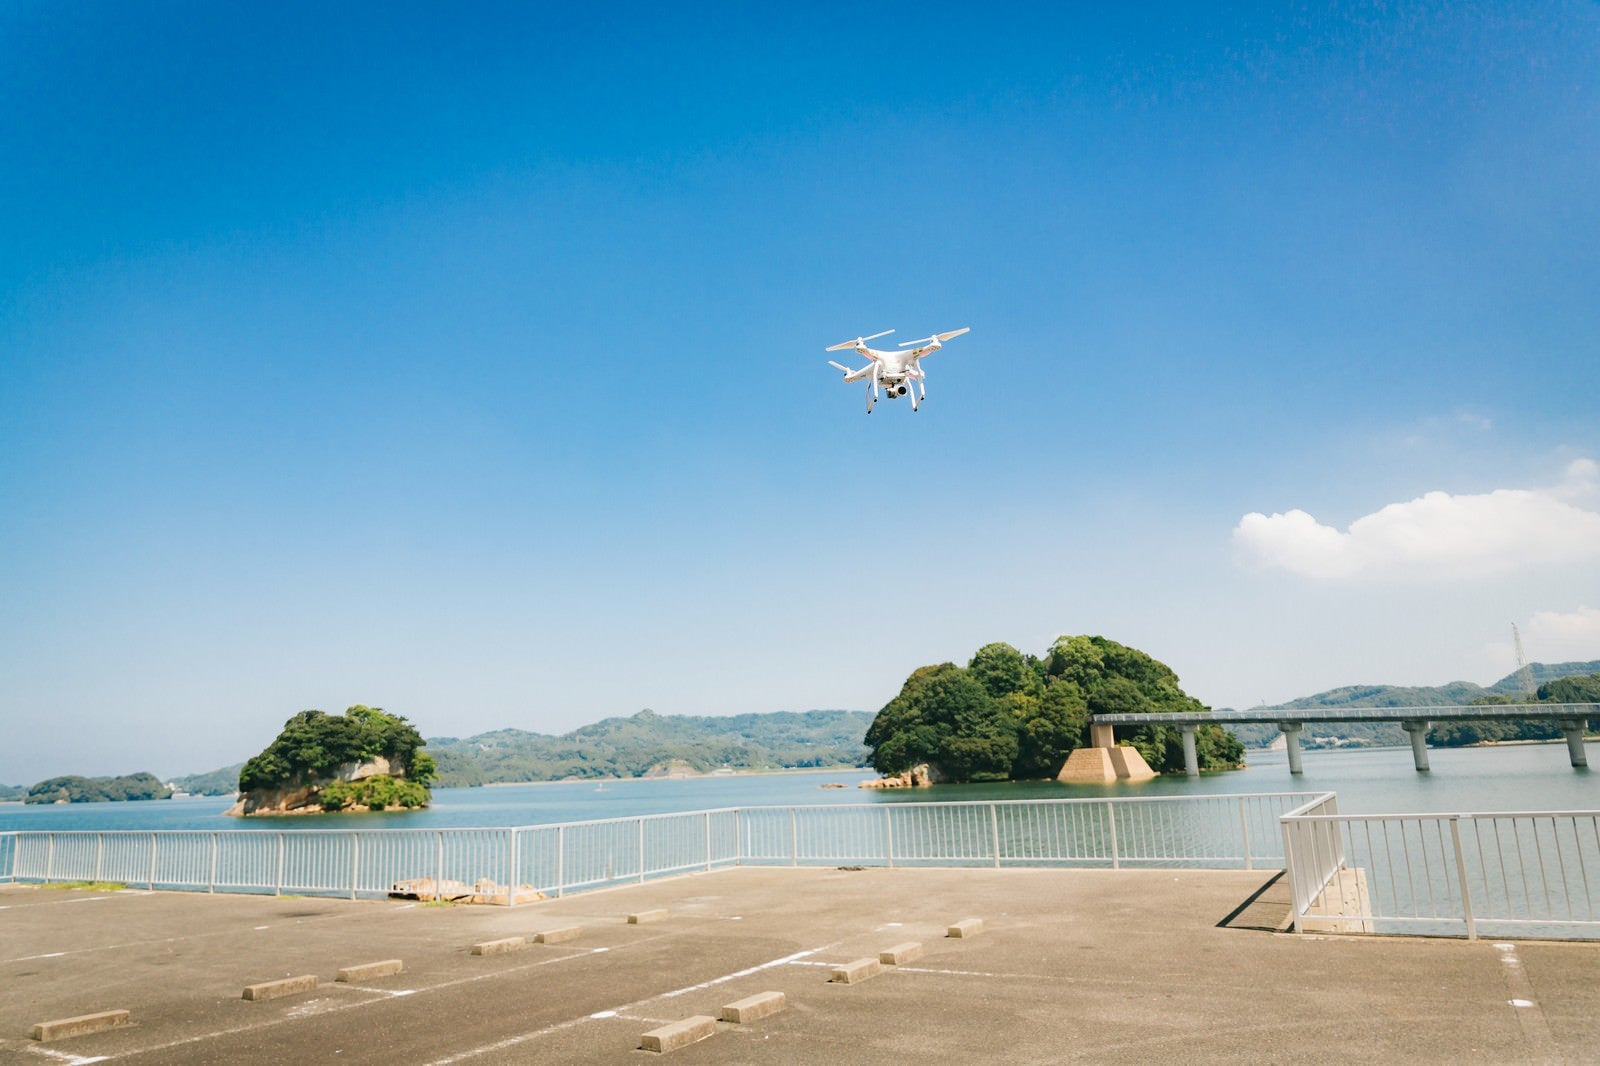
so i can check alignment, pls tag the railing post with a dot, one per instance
(277, 883)
(1289, 872)
(438, 866)
(994, 831)
(794, 840)
(50, 857)
(1111, 821)
(99, 852)
(561, 860)
(152, 882)
(355, 862)
(211, 875)
(708, 842)
(888, 835)
(1244, 829)
(641, 851)
(738, 836)
(1461, 874)
(511, 873)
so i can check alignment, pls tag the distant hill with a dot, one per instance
(1390, 733)
(223, 782)
(648, 742)
(75, 789)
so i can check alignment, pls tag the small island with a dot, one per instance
(363, 760)
(1010, 716)
(75, 789)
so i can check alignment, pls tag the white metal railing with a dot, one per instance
(1528, 874)
(8, 857)
(514, 864)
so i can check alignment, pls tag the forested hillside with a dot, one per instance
(646, 742)
(223, 782)
(74, 789)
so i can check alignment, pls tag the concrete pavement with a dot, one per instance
(1101, 966)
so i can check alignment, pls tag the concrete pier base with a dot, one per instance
(1419, 743)
(1574, 732)
(1291, 744)
(1191, 761)
(1106, 764)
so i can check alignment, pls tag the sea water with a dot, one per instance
(1506, 777)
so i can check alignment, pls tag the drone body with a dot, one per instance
(899, 373)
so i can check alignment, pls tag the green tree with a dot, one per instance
(1002, 669)
(1050, 730)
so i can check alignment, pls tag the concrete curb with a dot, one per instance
(368, 970)
(965, 928)
(83, 1023)
(855, 972)
(287, 986)
(647, 916)
(752, 1008)
(900, 954)
(500, 947)
(679, 1034)
(556, 936)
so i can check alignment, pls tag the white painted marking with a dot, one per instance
(785, 961)
(86, 899)
(30, 958)
(62, 1056)
(1521, 1002)
(597, 951)
(353, 1003)
(261, 927)
(513, 1041)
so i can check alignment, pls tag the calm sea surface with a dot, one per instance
(1375, 781)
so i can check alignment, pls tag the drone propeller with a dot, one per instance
(937, 338)
(858, 342)
(838, 366)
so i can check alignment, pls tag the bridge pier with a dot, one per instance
(1191, 760)
(1574, 732)
(1419, 742)
(1291, 743)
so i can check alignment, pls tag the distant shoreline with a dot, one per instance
(692, 775)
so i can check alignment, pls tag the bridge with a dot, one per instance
(1414, 720)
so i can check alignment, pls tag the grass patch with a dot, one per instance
(92, 886)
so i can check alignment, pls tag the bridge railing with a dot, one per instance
(1527, 874)
(514, 864)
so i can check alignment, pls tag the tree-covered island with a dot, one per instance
(363, 760)
(1011, 716)
(75, 789)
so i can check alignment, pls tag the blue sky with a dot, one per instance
(470, 363)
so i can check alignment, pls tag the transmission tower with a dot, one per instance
(1524, 674)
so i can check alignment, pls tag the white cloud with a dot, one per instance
(1556, 636)
(1437, 535)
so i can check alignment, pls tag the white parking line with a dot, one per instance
(623, 1010)
(62, 1056)
(325, 1007)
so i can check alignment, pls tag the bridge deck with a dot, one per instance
(1440, 713)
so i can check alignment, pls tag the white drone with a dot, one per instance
(897, 372)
